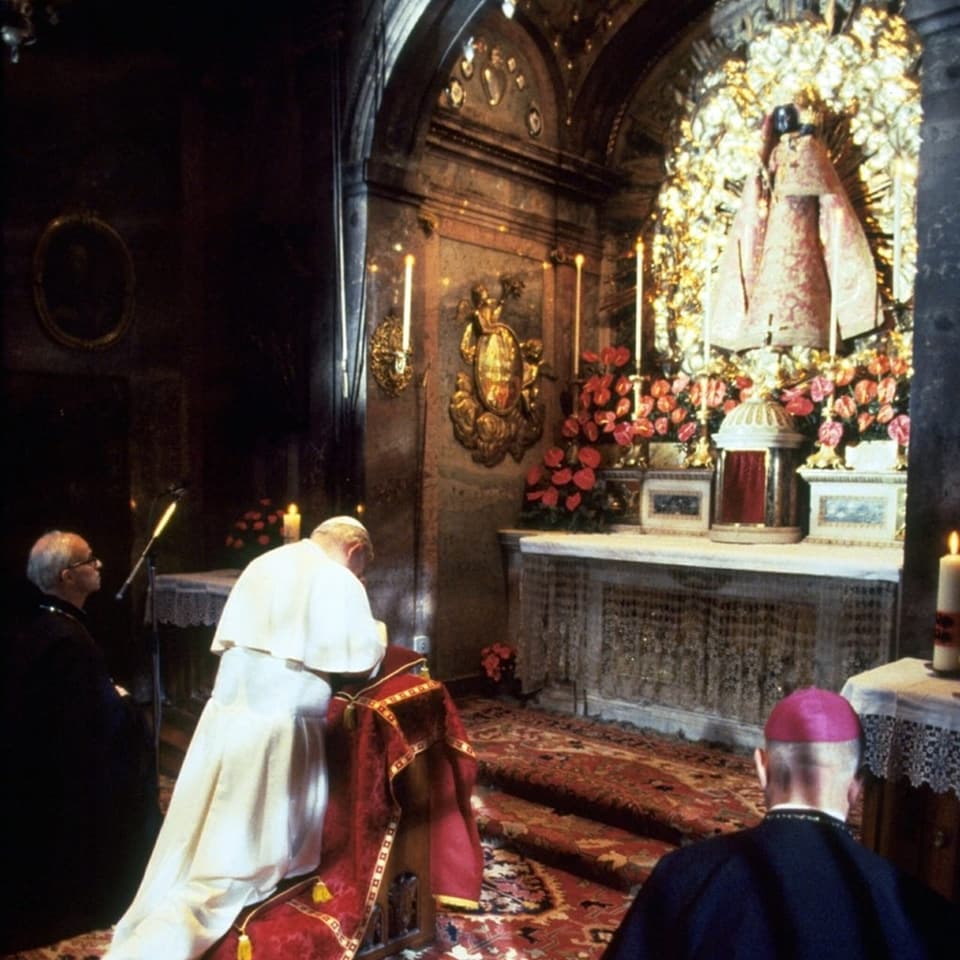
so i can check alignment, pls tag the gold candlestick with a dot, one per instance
(704, 454)
(826, 457)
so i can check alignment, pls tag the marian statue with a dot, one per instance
(796, 243)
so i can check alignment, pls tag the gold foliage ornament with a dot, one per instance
(496, 407)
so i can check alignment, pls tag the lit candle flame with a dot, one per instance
(954, 542)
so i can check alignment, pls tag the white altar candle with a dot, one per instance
(946, 646)
(291, 524)
(834, 279)
(897, 226)
(407, 296)
(638, 332)
(707, 286)
(578, 260)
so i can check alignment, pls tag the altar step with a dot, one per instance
(587, 848)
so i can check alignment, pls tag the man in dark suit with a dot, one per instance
(79, 810)
(798, 885)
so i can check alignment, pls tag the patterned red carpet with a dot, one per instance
(573, 814)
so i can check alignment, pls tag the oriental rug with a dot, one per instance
(527, 911)
(573, 814)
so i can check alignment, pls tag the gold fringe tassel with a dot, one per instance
(244, 948)
(321, 893)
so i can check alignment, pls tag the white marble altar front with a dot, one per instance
(688, 635)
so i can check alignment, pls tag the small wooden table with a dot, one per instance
(911, 808)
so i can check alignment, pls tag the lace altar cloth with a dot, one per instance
(911, 720)
(192, 599)
(708, 630)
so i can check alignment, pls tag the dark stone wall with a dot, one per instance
(933, 489)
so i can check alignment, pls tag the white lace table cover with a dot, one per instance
(193, 599)
(911, 719)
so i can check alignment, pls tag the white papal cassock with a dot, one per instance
(248, 806)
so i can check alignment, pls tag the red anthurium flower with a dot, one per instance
(865, 421)
(886, 413)
(622, 408)
(662, 426)
(830, 433)
(887, 389)
(729, 404)
(899, 429)
(743, 383)
(622, 386)
(534, 475)
(799, 406)
(553, 457)
(585, 479)
(643, 428)
(550, 497)
(687, 431)
(608, 356)
(573, 501)
(879, 365)
(623, 433)
(589, 356)
(845, 407)
(561, 477)
(678, 415)
(820, 388)
(680, 384)
(899, 367)
(694, 393)
(844, 376)
(659, 388)
(621, 355)
(591, 431)
(864, 391)
(666, 403)
(606, 420)
(602, 397)
(589, 457)
(716, 391)
(570, 427)
(645, 406)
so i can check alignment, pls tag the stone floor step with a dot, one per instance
(596, 851)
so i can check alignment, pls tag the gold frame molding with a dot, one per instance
(83, 282)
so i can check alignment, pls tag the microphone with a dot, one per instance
(178, 490)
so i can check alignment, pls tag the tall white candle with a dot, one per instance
(578, 260)
(407, 297)
(707, 293)
(638, 332)
(897, 226)
(946, 645)
(834, 279)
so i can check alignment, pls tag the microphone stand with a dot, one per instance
(148, 555)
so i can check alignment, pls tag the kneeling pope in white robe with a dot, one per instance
(248, 807)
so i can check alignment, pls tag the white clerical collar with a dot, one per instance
(836, 814)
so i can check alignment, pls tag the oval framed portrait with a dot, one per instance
(83, 282)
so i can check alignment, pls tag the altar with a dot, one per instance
(691, 636)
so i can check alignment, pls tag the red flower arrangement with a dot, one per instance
(671, 410)
(562, 490)
(255, 531)
(870, 402)
(499, 660)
